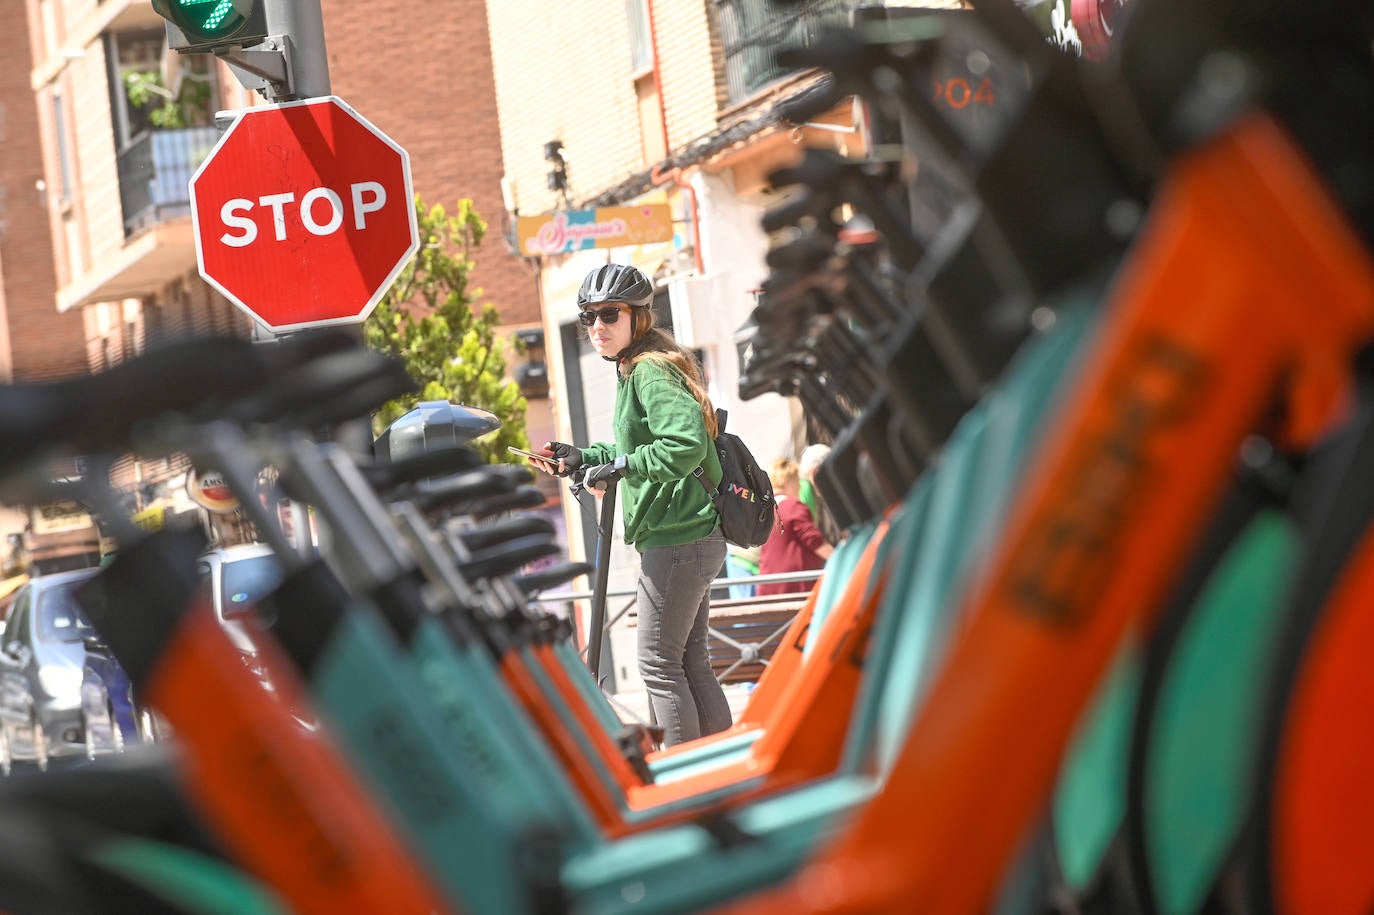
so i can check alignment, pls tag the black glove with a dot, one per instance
(571, 457)
(602, 473)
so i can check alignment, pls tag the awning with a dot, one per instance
(10, 585)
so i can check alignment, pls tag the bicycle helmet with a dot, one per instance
(622, 284)
(616, 283)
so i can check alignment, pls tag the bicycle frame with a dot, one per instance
(1208, 330)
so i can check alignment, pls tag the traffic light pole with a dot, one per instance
(301, 22)
(291, 62)
(275, 47)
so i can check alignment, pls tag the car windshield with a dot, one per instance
(246, 581)
(59, 618)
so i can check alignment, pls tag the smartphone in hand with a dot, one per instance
(545, 462)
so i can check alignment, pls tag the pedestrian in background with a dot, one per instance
(812, 458)
(741, 562)
(796, 544)
(664, 429)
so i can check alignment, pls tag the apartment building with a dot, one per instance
(635, 102)
(99, 256)
(51, 344)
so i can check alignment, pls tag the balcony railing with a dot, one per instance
(751, 31)
(155, 171)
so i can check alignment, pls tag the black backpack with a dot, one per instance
(744, 498)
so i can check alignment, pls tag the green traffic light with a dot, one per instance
(207, 20)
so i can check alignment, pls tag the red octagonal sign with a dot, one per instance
(304, 214)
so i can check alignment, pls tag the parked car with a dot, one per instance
(42, 653)
(234, 580)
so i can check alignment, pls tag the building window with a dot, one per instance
(641, 41)
(160, 138)
(64, 147)
(752, 31)
(136, 73)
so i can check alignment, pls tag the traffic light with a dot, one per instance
(204, 25)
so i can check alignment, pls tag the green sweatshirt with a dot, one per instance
(659, 427)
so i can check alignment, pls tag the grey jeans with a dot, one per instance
(674, 660)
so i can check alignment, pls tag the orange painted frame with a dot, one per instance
(772, 686)
(285, 803)
(1208, 328)
(802, 738)
(1322, 838)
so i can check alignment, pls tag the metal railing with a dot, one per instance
(155, 174)
(750, 652)
(752, 31)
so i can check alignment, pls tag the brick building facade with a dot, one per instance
(427, 82)
(105, 263)
(35, 341)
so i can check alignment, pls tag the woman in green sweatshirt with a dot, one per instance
(664, 428)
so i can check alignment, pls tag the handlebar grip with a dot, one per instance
(470, 487)
(552, 577)
(524, 497)
(507, 558)
(478, 538)
(330, 389)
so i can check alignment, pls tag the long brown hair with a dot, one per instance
(652, 343)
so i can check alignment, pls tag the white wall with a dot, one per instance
(707, 310)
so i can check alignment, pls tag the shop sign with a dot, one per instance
(58, 518)
(210, 492)
(607, 227)
(151, 519)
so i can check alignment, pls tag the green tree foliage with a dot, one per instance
(190, 107)
(427, 319)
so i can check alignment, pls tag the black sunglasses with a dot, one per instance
(608, 315)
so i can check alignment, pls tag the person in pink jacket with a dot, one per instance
(796, 544)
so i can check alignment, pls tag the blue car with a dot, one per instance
(114, 718)
(42, 655)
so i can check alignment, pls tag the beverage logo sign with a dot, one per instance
(607, 227)
(210, 492)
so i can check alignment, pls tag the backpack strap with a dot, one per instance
(700, 474)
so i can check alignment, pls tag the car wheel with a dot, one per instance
(147, 727)
(116, 732)
(40, 743)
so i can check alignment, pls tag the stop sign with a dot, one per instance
(304, 214)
